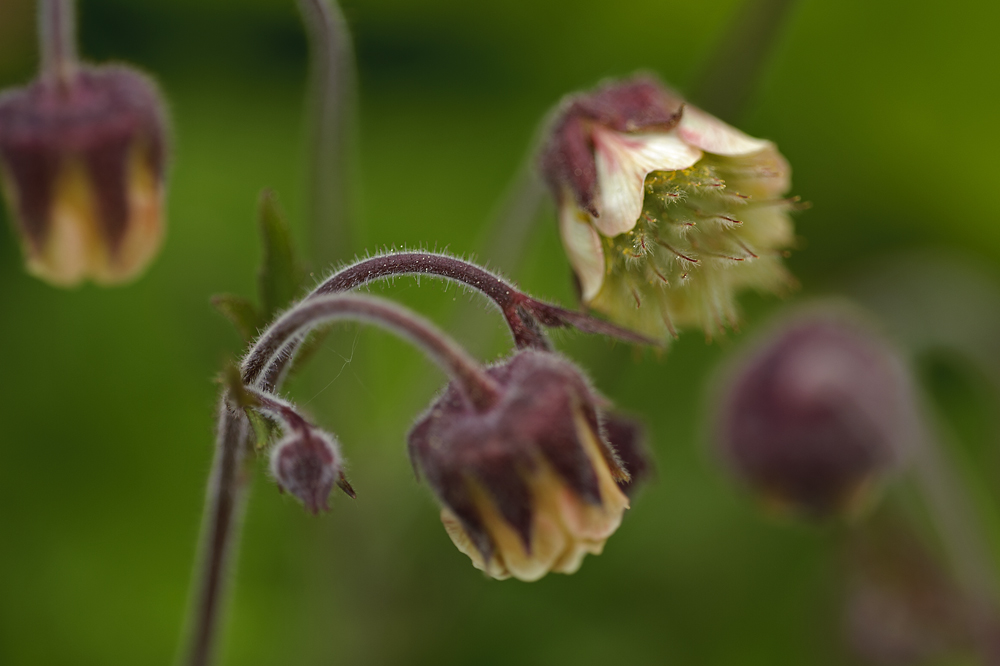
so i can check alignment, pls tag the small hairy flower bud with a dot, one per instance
(308, 465)
(82, 163)
(819, 410)
(529, 485)
(665, 211)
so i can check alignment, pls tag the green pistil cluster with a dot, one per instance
(704, 233)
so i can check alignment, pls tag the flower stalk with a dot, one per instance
(525, 316)
(316, 310)
(226, 497)
(225, 504)
(57, 36)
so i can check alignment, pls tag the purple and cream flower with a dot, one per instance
(534, 483)
(665, 211)
(83, 163)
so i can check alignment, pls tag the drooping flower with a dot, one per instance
(82, 161)
(665, 212)
(529, 485)
(817, 414)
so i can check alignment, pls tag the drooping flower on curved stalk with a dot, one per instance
(82, 160)
(516, 452)
(665, 212)
(530, 485)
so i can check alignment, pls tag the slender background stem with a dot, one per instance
(331, 110)
(733, 71)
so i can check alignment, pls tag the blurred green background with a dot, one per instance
(887, 112)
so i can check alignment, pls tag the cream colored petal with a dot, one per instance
(583, 248)
(623, 162)
(585, 521)
(461, 539)
(710, 134)
(72, 246)
(144, 229)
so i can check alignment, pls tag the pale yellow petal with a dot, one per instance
(583, 248)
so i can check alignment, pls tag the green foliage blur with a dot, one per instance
(887, 113)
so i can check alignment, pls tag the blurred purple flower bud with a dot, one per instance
(665, 212)
(82, 162)
(308, 465)
(530, 485)
(816, 413)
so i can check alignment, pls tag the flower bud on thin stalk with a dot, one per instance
(816, 414)
(515, 453)
(307, 461)
(665, 212)
(82, 163)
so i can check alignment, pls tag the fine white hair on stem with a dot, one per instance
(316, 310)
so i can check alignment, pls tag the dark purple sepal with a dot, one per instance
(633, 105)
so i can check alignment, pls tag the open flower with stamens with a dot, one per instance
(665, 211)
(529, 484)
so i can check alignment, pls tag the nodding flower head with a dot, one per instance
(528, 485)
(820, 410)
(308, 465)
(82, 162)
(665, 212)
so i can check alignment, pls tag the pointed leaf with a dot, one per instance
(241, 311)
(281, 275)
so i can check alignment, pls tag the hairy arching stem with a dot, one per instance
(57, 39)
(524, 315)
(481, 390)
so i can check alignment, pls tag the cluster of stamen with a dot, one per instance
(703, 233)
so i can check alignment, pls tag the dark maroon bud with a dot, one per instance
(308, 465)
(82, 160)
(631, 105)
(816, 413)
(528, 485)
